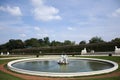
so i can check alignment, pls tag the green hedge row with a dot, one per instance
(97, 47)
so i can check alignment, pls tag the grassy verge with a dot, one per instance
(5, 76)
(5, 56)
(111, 78)
(5, 61)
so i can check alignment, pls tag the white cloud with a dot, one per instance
(15, 11)
(116, 13)
(23, 35)
(37, 28)
(71, 28)
(44, 12)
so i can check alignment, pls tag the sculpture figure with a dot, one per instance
(8, 53)
(117, 50)
(84, 51)
(1, 53)
(63, 60)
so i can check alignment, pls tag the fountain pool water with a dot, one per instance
(50, 67)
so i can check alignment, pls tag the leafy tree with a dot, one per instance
(46, 41)
(41, 42)
(68, 42)
(82, 42)
(115, 40)
(14, 44)
(56, 43)
(33, 42)
(96, 40)
(3, 47)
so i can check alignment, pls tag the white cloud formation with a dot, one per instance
(44, 12)
(15, 11)
(116, 13)
(37, 28)
(71, 28)
(22, 35)
(42, 35)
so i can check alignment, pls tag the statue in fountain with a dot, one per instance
(63, 59)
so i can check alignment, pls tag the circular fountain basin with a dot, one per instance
(50, 67)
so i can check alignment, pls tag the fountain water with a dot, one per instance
(63, 60)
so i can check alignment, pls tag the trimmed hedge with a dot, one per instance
(97, 47)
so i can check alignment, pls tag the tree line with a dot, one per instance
(93, 43)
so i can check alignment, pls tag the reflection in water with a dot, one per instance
(63, 68)
(97, 66)
(73, 66)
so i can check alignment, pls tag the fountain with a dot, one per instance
(63, 60)
(49, 66)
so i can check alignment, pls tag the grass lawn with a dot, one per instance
(112, 78)
(5, 76)
(5, 56)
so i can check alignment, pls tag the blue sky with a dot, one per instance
(60, 20)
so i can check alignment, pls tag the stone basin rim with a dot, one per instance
(53, 74)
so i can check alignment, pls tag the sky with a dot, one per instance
(60, 20)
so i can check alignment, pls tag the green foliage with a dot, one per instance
(76, 49)
(82, 42)
(32, 43)
(68, 42)
(56, 43)
(116, 40)
(96, 40)
(14, 44)
(33, 46)
(46, 41)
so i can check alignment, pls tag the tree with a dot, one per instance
(33, 42)
(96, 40)
(41, 42)
(68, 42)
(3, 47)
(46, 41)
(82, 42)
(14, 44)
(115, 40)
(56, 43)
